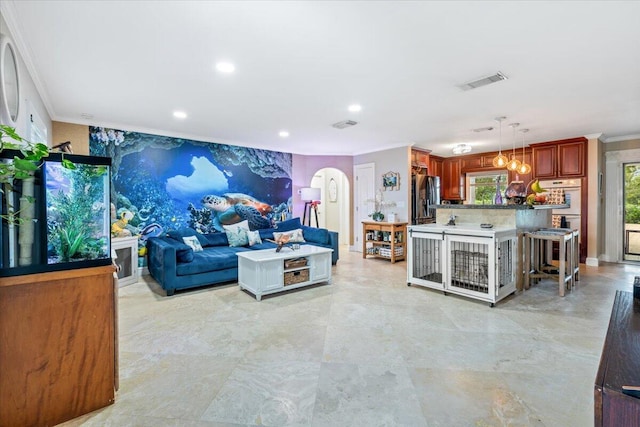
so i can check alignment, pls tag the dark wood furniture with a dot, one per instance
(453, 179)
(57, 345)
(560, 159)
(619, 365)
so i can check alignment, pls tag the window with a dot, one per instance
(482, 187)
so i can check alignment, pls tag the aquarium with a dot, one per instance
(57, 218)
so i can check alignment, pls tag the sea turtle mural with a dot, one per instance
(231, 208)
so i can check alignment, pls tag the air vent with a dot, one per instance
(488, 128)
(483, 81)
(344, 124)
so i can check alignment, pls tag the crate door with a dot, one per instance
(470, 266)
(426, 267)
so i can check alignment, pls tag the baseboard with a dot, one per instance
(592, 262)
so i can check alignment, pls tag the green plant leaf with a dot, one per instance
(24, 165)
(68, 164)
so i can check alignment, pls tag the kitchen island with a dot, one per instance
(521, 217)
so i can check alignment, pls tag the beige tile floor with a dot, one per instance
(366, 350)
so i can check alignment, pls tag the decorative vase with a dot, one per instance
(498, 199)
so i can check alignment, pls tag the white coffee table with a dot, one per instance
(263, 272)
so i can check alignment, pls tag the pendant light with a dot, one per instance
(500, 160)
(524, 167)
(514, 163)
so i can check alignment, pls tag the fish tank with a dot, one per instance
(57, 218)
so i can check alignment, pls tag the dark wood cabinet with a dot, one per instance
(452, 179)
(471, 163)
(544, 161)
(435, 166)
(560, 159)
(571, 159)
(619, 365)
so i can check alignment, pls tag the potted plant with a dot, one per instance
(18, 210)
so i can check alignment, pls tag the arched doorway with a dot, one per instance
(333, 211)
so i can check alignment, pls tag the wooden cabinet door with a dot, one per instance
(435, 166)
(571, 159)
(544, 161)
(453, 187)
(471, 163)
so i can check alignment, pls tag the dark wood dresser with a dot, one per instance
(619, 365)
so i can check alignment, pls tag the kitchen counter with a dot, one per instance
(502, 207)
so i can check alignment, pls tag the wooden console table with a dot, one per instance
(384, 240)
(619, 365)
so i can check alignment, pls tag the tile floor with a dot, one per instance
(366, 350)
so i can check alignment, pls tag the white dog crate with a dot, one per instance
(465, 260)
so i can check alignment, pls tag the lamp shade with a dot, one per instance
(309, 194)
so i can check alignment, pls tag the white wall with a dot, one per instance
(30, 100)
(393, 160)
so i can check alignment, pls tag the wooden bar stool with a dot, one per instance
(537, 255)
(575, 259)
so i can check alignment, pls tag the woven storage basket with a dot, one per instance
(293, 277)
(295, 263)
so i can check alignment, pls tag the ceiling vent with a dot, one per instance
(344, 124)
(488, 128)
(483, 81)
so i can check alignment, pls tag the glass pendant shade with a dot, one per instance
(513, 164)
(524, 167)
(500, 161)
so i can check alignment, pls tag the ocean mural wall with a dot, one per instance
(161, 183)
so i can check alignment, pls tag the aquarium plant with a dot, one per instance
(20, 168)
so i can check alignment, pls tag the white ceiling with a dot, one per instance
(573, 69)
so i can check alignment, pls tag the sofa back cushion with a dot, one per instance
(315, 235)
(288, 225)
(216, 239)
(186, 232)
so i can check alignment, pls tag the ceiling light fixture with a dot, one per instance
(283, 134)
(500, 160)
(179, 114)
(514, 163)
(225, 67)
(461, 149)
(524, 167)
(355, 108)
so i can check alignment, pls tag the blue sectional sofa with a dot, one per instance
(175, 265)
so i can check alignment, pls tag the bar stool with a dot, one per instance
(537, 265)
(575, 259)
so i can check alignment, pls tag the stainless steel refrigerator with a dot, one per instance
(425, 193)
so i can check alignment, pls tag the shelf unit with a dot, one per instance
(125, 255)
(473, 262)
(384, 240)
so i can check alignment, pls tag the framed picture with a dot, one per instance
(333, 190)
(391, 181)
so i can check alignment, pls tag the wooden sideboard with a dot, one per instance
(58, 353)
(384, 240)
(619, 365)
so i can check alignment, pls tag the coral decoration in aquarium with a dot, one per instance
(78, 212)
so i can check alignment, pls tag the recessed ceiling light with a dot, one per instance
(86, 116)
(284, 133)
(354, 108)
(179, 114)
(225, 67)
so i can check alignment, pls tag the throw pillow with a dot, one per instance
(254, 238)
(193, 242)
(237, 234)
(295, 236)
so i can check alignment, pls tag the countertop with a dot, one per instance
(502, 207)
